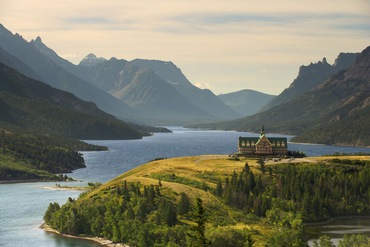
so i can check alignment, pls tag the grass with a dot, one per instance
(197, 176)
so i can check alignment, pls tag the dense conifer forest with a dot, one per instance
(30, 157)
(272, 204)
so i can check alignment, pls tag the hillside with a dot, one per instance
(311, 76)
(334, 112)
(26, 157)
(182, 201)
(204, 99)
(246, 102)
(31, 106)
(55, 75)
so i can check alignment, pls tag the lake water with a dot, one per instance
(22, 205)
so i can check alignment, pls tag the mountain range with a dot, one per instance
(246, 102)
(310, 76)
(337, 111)
(157, 91)
(27, 105)
(324, 104)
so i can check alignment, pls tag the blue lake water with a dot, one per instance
(22, 205)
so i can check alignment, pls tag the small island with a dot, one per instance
(215, 200)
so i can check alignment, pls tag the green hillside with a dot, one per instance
(30, 106)
(29, 157)
(196, 201)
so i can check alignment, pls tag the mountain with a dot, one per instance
(92, 60)
(337, 111)
(202, 98)
(246, 102)
(189, 103)
(310, 76)
(31, 106)
(112, 76)
(57, 76)
(149, 93)
(143, 90)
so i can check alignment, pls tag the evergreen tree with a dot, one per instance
(197, 234)
(184, 204)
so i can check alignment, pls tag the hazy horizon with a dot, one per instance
(222, 46)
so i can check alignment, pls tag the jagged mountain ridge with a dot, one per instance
(119, 76)
(337, 111)
(31, 106)
(114, 74)
(246, 102)
(91, 60)
(57, 76)
(202, 98)
(310, 76)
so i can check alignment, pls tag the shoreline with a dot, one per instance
(330, 220)
(15, 181)
(101, 241)
(18, 181)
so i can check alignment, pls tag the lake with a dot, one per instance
(23, 205)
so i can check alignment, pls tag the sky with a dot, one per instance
(225, 46)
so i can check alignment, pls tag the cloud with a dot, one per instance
(227, 44)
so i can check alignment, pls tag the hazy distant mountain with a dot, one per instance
(57, 76)
(188, 103)
(246, 102)
(202, 98)
(162, 103)
(111, 75)
(145, 90)
(335, 112)
(91, 60)
(158, 89)
(310, 76)
(6, 58)
(28, 105)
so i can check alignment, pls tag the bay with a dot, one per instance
(23, 205)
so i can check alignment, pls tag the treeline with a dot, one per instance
(129, 214)
(280, 199)
(26, 156)
(141, 216)
(37, 116)
(316, 191)
(353, 130)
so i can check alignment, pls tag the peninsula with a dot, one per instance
(223, 201)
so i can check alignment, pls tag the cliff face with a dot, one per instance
(336, 111)
(311, 76)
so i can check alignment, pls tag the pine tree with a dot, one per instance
(197, 233)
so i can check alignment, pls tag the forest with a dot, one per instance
(27, 156)
(272, 205)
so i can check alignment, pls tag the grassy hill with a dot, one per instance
(157, 203)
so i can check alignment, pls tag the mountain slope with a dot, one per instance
(202, 98)
(31, 106)
(335, 112)
(310, 76)
(149, 93)
(56, 76)
(246, 102)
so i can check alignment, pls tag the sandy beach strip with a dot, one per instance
(101, 241)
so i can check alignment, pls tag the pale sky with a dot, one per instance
(225, 46)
